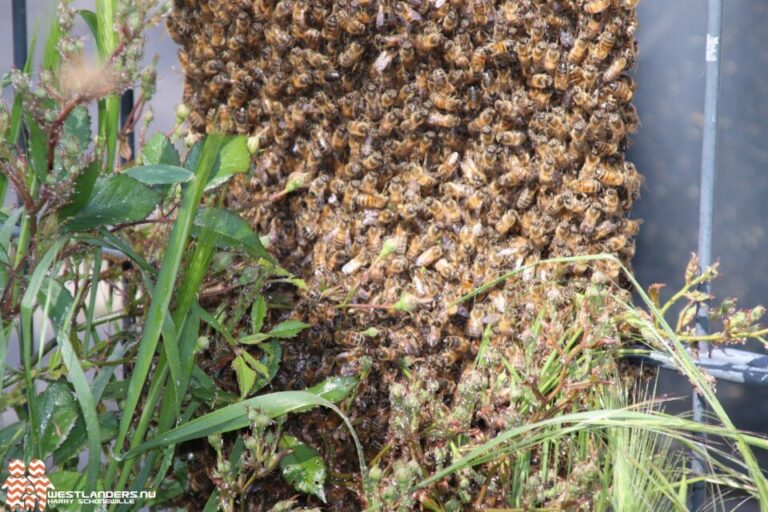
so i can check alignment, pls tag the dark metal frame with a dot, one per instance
(723, 363)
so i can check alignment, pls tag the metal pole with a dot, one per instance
(19, 19)
(126, 108)
(707, 209)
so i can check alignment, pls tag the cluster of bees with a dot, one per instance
(471, 136)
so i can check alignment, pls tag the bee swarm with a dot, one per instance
(466, 138)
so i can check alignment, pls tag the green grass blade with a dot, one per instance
(109, 108)
(84, 397)
(235, 416)
(164, 288)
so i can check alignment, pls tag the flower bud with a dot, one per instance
(182, 112)
(254, 144)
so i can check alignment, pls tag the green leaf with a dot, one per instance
(78, 126)
(77, 133)
(334, 389)
(82, 191)
(160, 174)
(78, 437)
(283, 330)
(69, 481)
(303, 467)
(269, 363)
(115, 199)
(295, 281)
(206, 390)
(11, 436)
(10, 222)
(235, 417)
(258, 312)
(287, 329)
(233, 159)
(57, 412)
(56, 299)
(93, 24)
(159, 150)
(245, 375)
(51, 54)
(38, 148)
(193, 157)
(231, 231)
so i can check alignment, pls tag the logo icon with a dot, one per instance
(26, 489)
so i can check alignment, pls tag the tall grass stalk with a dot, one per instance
(163, 291)
(665, 341)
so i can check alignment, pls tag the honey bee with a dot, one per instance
(507, 222)
(587, 186)
(369, 184)
(352, 55)
(445, 269)
(609, 176)
(478, 60)
(605, 44)
(579, 51)
(484, 119)
(511, 138)
(474, 326)
(407, 13)
(371, 200)
(454, 54)
(538, 31)
(196, 121)
(457, 349)
(561, 77)
(476, 136)
(604, 229)
(540, 97)
(352, 339)
(552, 58)
(526, 198)
(358, 128)
(218, 36)
(524, 55)
(502, 48)
(622, 90)
(397, 265)
(538, 53)
(615, 70)
(445, 102)
(429, 41)
(590, 167)
(241, 121)
(441, 120)
(610, 202)
(429, 256)
(630, 227)
(474, 101)
(373, 162)
(548, 172)
(591, 218)
(617, 243)
(476, 201)
(481, 11)
(451, 211)
(331, 28)
(450, 21)
(596, 6)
